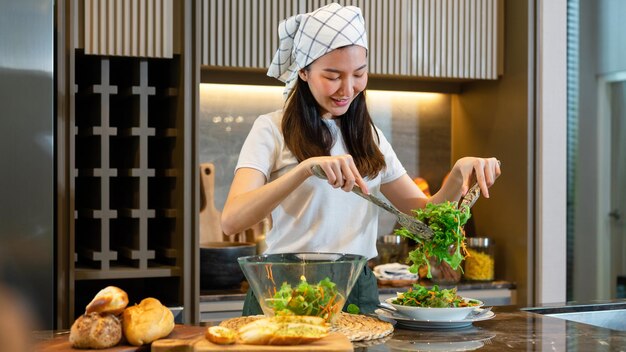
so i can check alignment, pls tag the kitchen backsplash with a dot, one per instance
(418, 125)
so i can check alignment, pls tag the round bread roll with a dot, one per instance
(110, 299)
(147, 321)
(96, 331)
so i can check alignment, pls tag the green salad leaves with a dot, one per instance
(420, 296)
(321, 300)
(353, 309)
(448, 241)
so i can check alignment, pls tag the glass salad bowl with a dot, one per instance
(316, 284)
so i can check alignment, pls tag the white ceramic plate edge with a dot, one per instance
(402, 319)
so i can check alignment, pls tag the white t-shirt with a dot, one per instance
(316, 217)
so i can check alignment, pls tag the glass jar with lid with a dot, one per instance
(479, 265)
(441, 272)
(392, 249)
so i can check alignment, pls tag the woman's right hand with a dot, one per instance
(341, 171)
(251, 199)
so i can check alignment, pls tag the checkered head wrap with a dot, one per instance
(306, 37)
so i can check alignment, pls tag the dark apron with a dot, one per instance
(364, 294)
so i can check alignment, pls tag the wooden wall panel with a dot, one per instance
(138, 28)
(426, 38)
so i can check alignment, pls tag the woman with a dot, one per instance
(323, 61)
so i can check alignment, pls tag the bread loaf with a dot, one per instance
(147, 321)
(283, 330)
(110, 300)
(96, 331)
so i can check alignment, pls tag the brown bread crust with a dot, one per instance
(96, 331)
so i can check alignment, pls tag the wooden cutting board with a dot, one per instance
(334, 342)
(210, 216)
(62, 344)
(210, 223)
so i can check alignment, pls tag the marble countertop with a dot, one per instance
(511, 329)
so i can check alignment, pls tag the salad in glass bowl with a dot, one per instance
(315, 284)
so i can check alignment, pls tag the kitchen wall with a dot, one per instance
(418, 125)
(496, 118)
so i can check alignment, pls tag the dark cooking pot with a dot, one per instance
(219, 268)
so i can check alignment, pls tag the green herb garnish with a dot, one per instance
(420, 296)
(353, 309)
(447, 222)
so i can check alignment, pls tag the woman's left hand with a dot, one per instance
(483, 170)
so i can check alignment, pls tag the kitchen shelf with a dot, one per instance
(126, 273)
(160, 284)
(125, 205)
(127, 167)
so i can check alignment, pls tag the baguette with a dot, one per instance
(297, 333)
(306, 319)
(283, 330)
(258, 332)
(221, 335)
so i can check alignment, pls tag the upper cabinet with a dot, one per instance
(439, 39)
(138, 28)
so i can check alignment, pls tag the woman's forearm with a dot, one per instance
(451, 190)
(250, 200)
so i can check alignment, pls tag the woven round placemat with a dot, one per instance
(370, 343)
(358, 327)
(354, 327)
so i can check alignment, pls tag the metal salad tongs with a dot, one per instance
(415, 226)
(472, 195)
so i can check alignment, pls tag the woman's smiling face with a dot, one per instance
(336, 78)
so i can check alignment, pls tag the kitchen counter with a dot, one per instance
(512, 329)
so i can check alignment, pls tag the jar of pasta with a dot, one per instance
(479, 264)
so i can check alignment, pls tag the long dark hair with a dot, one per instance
(306, 135)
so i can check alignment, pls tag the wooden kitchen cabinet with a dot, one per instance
(127, 168)
(127, 213)
(433, 39)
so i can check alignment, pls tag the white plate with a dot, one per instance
(435, 314)
(409, 323)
